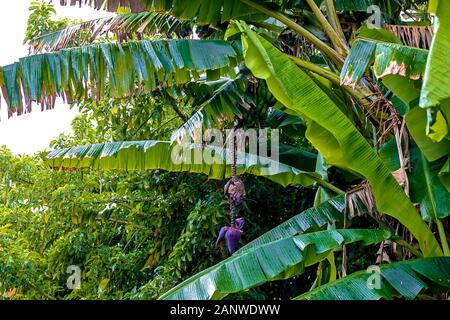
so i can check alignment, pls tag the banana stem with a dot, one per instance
(331, 33)
(331, 10)
(439, 225)
(322, 46)
(442, 237)
(328, 185)
(358, 93)
(405, 244)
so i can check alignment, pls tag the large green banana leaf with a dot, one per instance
(123, 24)
(435, 89)
(400, 279)
(329, 212)
(276, 260)
(332, 133)
(71, 72)
(157, 155)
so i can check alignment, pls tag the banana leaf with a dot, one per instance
(70, 73)
(435, 89)
(160, 155)
(276, 260)
(426, 187)
(203, 11)
(385, 59)
(214, 100)
(123, 25)
(416, 121)
(400, 279)
(329, 212)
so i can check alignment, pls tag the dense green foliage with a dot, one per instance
(133, 235)
(41, 22)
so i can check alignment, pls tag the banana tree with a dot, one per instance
(356, 98)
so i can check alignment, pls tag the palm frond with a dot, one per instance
(433, 92)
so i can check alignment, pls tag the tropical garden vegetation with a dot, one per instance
(359, 91)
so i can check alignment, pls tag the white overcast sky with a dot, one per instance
(31, 132)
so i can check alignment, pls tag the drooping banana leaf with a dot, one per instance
(332, 133)
(125, 26)
(428, 132)
(71, 72)
(297, 157)
(400, 279)
(331, 211)
(204, 11)
(276, 260)
(279, 119)
(405, 89)
(208, 11)
(435, 89)
(160, 155)
(385, 59)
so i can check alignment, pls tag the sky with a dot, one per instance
(32, 132)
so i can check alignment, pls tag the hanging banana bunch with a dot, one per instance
(234, 191)
(254, 113)
(254, 110)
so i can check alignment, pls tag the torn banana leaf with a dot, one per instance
(385, 59)
(399, 279)
(70, 73)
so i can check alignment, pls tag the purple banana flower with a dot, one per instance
(231, 235)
